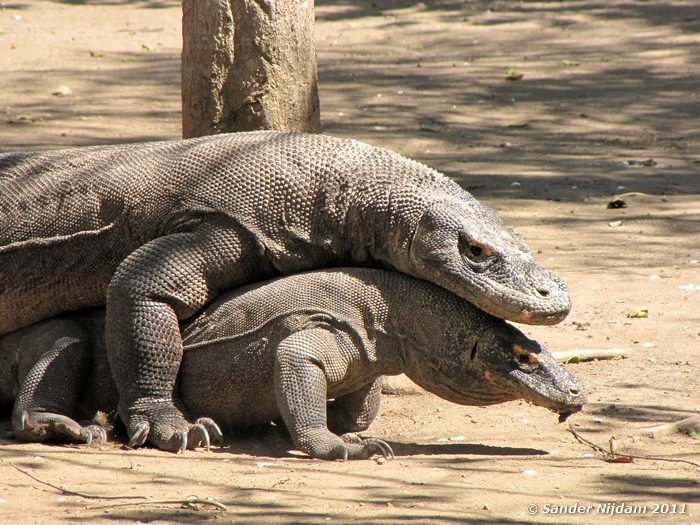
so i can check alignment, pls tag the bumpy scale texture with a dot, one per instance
(156, 231)
(284, 347)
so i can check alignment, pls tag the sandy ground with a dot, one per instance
(606, 86)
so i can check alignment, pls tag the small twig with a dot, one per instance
(69, 492)
(689, 425)
(567, 356)
(614, 455)
(190, 500)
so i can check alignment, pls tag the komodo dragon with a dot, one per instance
(155, 231)
(285, 346)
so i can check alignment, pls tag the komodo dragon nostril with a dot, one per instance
(543, 292)
(574, 391)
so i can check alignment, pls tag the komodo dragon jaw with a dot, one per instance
(453, 245)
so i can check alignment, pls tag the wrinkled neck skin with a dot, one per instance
(435, 366)
(380, 226)
(428, 335)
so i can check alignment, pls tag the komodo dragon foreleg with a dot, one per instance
(49, 395)
(166, 280)
(307, 361)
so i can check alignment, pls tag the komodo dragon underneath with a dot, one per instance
(286, 346)
(155, 231)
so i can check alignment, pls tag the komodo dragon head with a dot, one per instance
(495, 365)
(463, 246)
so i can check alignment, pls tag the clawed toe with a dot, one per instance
(139, 434)
(369, 446)
(198, 436)
(213, 430)
(379, 447)
(95, 432)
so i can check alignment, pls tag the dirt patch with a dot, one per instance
(605, 87)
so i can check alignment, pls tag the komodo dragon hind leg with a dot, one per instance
(304, 362)
(48, 397)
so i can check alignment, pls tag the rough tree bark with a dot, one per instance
(247, 65)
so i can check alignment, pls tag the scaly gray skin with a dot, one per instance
(286, 346)
(156, 231)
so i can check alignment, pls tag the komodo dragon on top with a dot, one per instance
(157, 230)
(286, 346)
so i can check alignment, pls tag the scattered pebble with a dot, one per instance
(581, 325)
(526, 421)
(689, 288)
(654, 277)
(615, 224)
(648, 344)
(597, 420)
(553, 452)
(62, 91)
(649, 163)
(262, 464)
(529, 472)
(380, 460)
(515, 184)
(486, 507)
(3, 501)
(588, 455)
(458, 438)
(616, 203)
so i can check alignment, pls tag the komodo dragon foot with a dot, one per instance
(164, 427)
(46, 426)
(363, 448)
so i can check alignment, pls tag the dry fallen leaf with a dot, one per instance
(513, 74)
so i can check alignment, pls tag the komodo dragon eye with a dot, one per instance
(525, 360)
(472, 250)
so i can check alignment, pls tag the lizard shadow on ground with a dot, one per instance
(472, 449)
(274, 442)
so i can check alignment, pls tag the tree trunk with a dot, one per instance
(248, 65)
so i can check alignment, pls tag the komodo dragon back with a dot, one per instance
(156, 231)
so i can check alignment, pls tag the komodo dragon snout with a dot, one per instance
(501, 364)
(454, 243)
